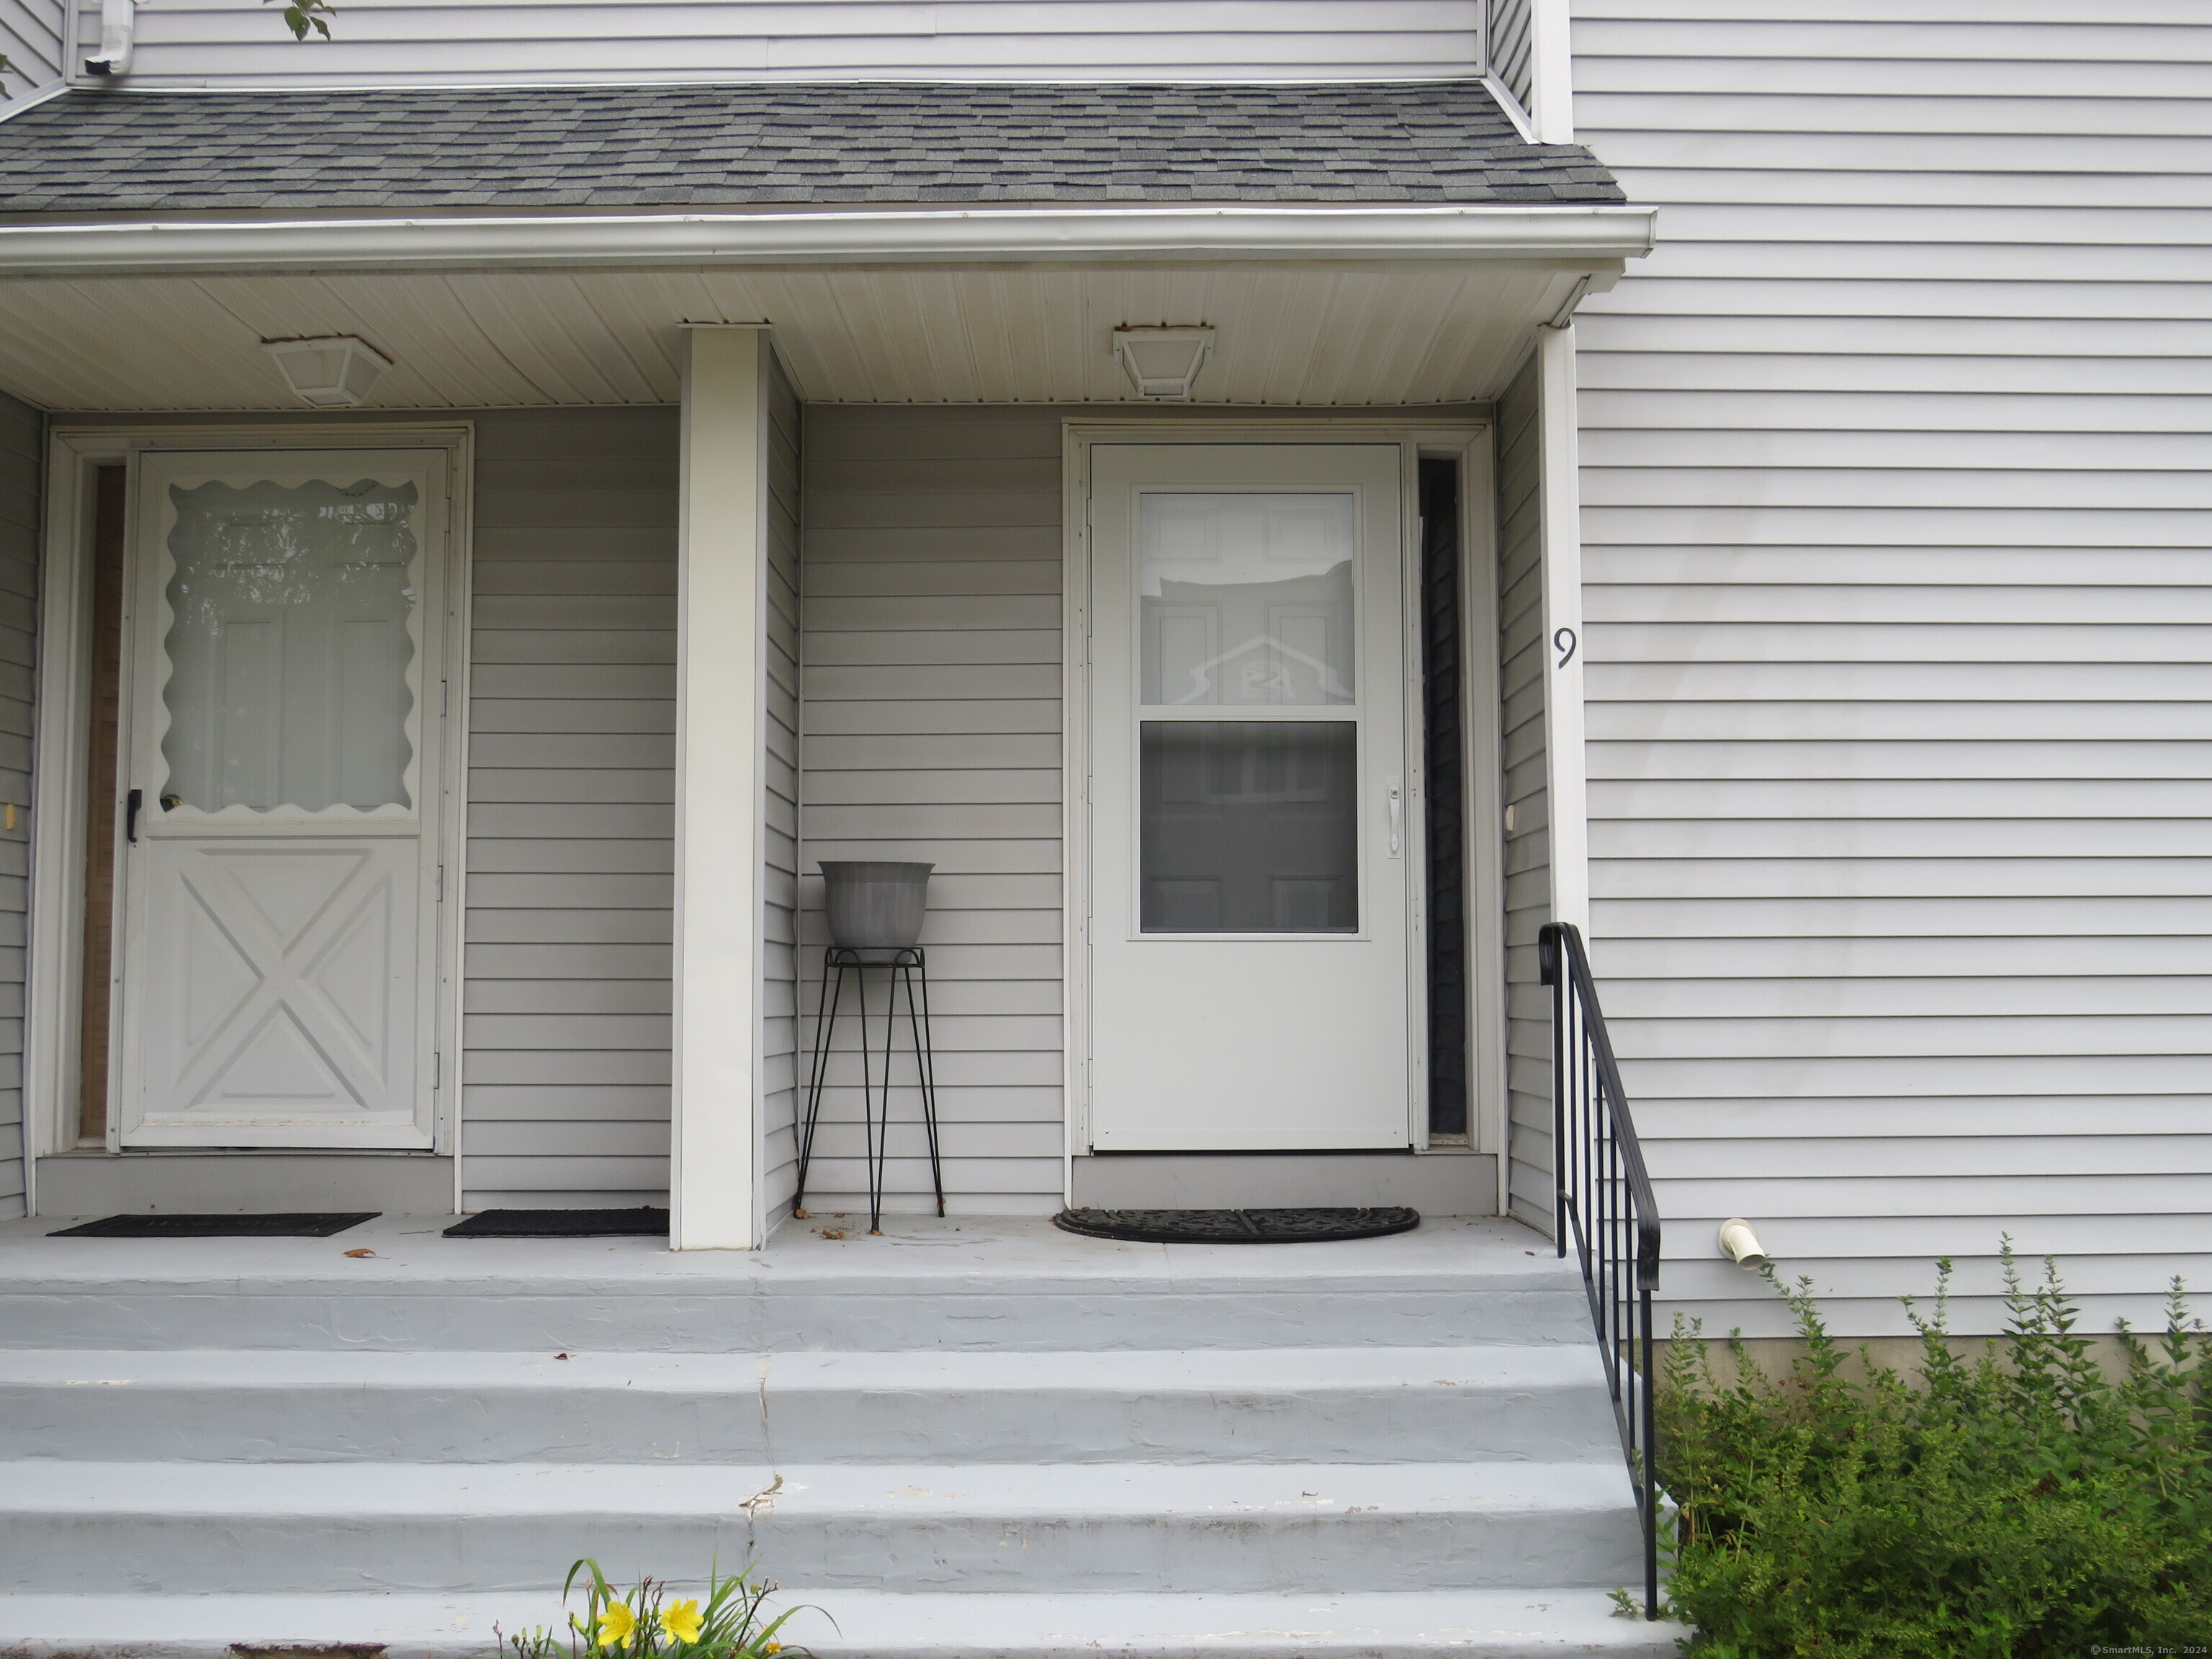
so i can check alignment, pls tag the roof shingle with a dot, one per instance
(781, 142)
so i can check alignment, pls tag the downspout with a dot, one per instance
(119, 24)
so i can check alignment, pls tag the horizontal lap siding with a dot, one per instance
(1900, 647)
(932, 717)
(1527, 842)
(383, 42)
(31, 32)
(780, 917)
(20, 450)
(1511, 46)
(571, 786)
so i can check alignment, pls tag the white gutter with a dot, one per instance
(1577, 236)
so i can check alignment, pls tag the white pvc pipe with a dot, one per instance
(1740, 1245)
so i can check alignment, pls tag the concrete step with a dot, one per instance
(1544, 1403)
(1465, 1623)
(952, 1286)
(256, 1527)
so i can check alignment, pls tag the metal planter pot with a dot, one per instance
(875, 905)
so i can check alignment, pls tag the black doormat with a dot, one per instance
(1237, 1227)
(562, 1223)
(215, 1226)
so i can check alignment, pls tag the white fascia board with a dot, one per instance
(1578, 236)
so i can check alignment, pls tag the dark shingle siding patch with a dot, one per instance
(781, 142)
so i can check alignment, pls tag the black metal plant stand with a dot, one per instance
(908, 967)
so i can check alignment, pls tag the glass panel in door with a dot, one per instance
(1246, 598)
(1248, 827)
(291, 635)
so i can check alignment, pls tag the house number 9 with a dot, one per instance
(1563, 642)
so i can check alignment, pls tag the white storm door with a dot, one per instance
(1249, 807)
(278, 923)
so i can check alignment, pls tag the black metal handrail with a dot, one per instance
(1604, 1204)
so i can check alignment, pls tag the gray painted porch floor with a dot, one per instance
(411, 1249)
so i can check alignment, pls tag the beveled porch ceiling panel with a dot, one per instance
(1325, 334)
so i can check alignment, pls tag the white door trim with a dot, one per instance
(56, 901)
(1470, 441)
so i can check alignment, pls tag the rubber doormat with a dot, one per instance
(215, 1226)
(1237, 1227)
(562, 1223)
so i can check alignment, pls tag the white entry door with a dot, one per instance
(281, 769)
(1249, 816)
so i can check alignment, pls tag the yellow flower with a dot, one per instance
(681, 1621)
(773, 1647)
(616, 1624)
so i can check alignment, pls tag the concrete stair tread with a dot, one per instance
(995, 1285)
(1483, 1365)
(1371, 1405)
(884, 1492)
(1510, 1624)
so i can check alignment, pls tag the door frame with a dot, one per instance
(63, 689)
(1469, 442)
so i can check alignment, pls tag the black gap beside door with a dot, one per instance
(1445, 766)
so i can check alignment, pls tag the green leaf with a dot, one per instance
(301, 16)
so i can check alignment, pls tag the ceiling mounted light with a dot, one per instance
(333, 372)
(1162, 362)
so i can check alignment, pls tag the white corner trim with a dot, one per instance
(1552, 71)
(1576, 235)
(1558, 484)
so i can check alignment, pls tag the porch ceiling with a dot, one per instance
(1329, 332)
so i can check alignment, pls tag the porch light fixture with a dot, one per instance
(333, 372)
(1162, 362)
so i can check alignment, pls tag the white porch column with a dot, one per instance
(721, 756)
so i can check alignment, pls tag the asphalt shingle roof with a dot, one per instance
(781, 143)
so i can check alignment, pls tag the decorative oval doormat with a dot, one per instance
(1237, 1227)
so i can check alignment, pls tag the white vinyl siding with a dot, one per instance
(780, 900)
(31, 33)
(932, 716)
(1900, 638)
(571, 791)
(240, 42)
(21, 460)
(1527, 843)
(1512, 46)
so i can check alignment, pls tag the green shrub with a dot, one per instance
(2013, 1503)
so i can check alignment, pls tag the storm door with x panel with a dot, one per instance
(1249, 833)
(281, 800)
